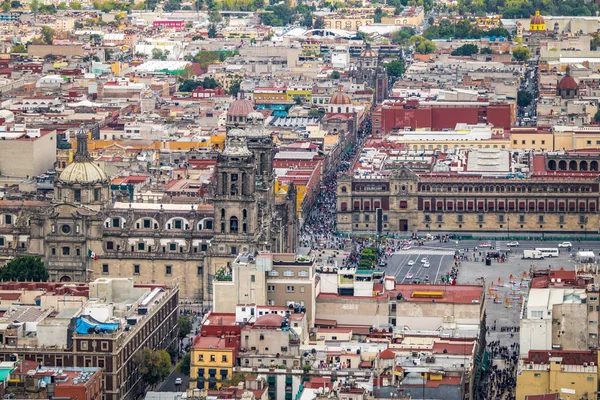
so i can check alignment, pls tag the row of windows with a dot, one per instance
(581, 206)
(171, 247)
(137, 268)
(506, 188)
(502, 218)
(148, 223)
(65, 251)
(288, 273)
(213, 358)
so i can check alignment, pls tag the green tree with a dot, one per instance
(524, 98)
(183, 367)
(18, 48)
(184, 325)
(234, 88)
(212, 30)
(402, 36)
(395, 69)
(379, 14)
(157, 54)
(521, 53)
(24, 269)
(154, 366)
(466, 50)
(172, 5)
(34, 5)
(214, 16)
(597, 116)
(47, 34)
(319, 23)
(6, 6)
(425, 47)
(16, 4)
(75, 5)
(335, 75)
(62, 5)
(485, 50)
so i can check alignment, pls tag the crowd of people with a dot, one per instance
(501, 380)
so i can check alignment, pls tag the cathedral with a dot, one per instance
(82, 235)
(370, 71)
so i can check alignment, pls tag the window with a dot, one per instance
(1, 241)
(136, 269)
(208, 224)
(84, 345)
(105, 269)
(480, 218)
(147, 223)
(116, 222)
(172, 246)
(234, 250)
(274, 272)
(301, 289)
(200, 271)
(440, 218)
(66, 251)
(96, 194)
(521, 218)
(302, 273)
(253, 278)
(501, 218)
(290, 289)
(141, 246)
(288, 273)
(213, 358)
(537, 314)
(459, 218)
(77, 195)
(110, 245)
(201, 358)
(589, 142)
(271, 288)
(168, 270)
(233, 225)
(53, 251)
(178, 224)
(541, 219)
(223, 358)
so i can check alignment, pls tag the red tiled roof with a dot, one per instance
(269, 320)
(387, 354)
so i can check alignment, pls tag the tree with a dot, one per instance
(319, 23)
(466, 50)
(6, 6)
(395, 69)
(24, 269)
(18, 48)
(485, 50)
(75, 5)
(157, 54)
(402, 36)
(521, 53)
(597, 116)
(214, 16)
(172, 5)
(62, 5)
(183, 367)
(47, 34)
(154, 366)
(234, 88)
(212, 31)
(425, 47)
(184, 324)
(335, 75)
(524, 98)
(16, 4)
(34, 5)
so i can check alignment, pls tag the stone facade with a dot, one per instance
(412, 202)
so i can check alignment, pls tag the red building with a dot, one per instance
(177, 24)
(437, 116)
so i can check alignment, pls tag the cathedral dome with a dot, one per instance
(240, 108)
(567, 82)
(256, 117)
(340, 98)
(537, 22)
(369, 52)
(83, 172)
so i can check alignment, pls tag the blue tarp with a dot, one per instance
(87, 324)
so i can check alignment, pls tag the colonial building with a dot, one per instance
(370, 71)
(82, 235)
(476, 191)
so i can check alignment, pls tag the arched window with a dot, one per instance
(244, 228)
(343, 189)
(244, 189)
(234, 185)
(222, 213)
(274, 272)
(302, 273)
(288, 273)
(244, 214)
(233, 225)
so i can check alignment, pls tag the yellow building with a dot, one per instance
(211, 361)
(270, 94)
(537, 22)
(305, 93)
(571, 382)
(347, 22)
(531, 139)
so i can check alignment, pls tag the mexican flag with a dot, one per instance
(92, 255)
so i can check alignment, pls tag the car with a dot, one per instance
(178, 381)
(565, 244)
(411, 263)
(416, 280)
(409, 275)
(406, 247)
(485, 244)
(382, 263)
(426, 278)
(512, 244)
(423, 260)
(426, 265)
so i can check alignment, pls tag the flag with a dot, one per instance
(92, 255)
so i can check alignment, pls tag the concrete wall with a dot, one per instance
(35, 156)
(535, 335)
(41, 50)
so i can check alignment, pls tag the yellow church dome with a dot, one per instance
(537, 22)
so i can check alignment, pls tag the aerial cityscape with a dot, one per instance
(300, 199)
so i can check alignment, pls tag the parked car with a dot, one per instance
(416, 280)
(424, 260)
(409, 275)
(512, 244)
(426, 265)
(406, 247)
(565, 244)
(411, 263)
(178, 381)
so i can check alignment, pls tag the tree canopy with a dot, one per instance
(462, 29)
(24, 269)
(521, 53)
(153, 365)
(18, 48)
(280, 15)
(466, 50)
(526, 8)
(395, 69)
(524, 98)
(184, 325)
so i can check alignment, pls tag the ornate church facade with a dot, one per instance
(82, 235)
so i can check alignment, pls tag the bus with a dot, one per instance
(548, 252)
